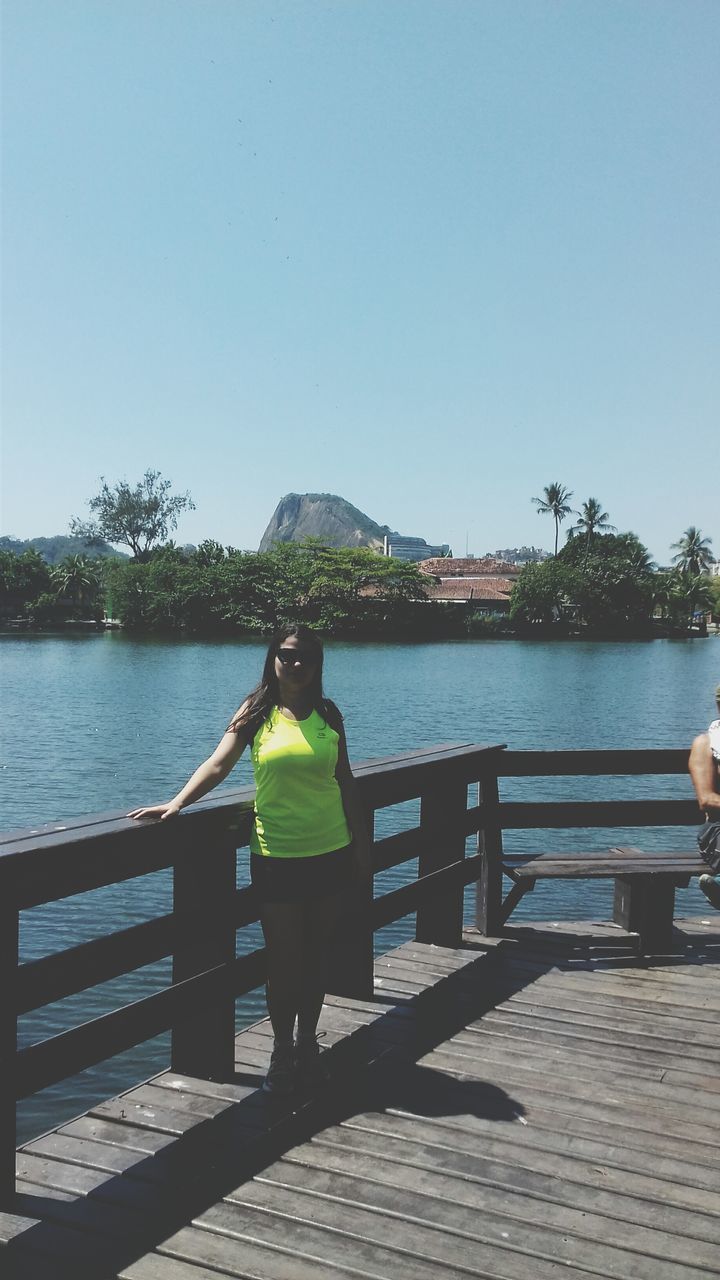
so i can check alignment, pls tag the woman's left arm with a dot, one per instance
(351, 804)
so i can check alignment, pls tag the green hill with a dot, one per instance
(56, 549)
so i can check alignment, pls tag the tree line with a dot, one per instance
(213, 590)
(601, 581)
(605, 580)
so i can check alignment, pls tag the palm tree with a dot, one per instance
(554, 503)
(77, 577)
(693, 552)
(591, 519)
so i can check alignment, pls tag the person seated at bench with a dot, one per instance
(704, 766)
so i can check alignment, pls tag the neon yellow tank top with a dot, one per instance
(298, 805)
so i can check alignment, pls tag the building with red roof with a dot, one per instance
(483, 584)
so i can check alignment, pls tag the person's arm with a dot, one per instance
(212, 771)
(351, 804)
(703, 772)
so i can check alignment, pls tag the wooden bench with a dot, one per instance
(645, 883)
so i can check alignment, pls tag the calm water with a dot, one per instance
(103, 722)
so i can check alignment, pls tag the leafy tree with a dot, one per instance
(544, 593)
(342, 591)
(608, 588)
(22, 577)
(555, 503)
(140, 517)
(209, 552)
(693, 551)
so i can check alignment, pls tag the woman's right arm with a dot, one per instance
(211, 772)
(703, 773)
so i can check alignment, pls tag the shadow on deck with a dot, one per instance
(546, 1105)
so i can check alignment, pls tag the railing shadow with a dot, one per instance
(96, 1235)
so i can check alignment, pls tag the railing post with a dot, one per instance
(204, 886)
(442, 842)
(488, 902)
(352, 961)
(9, 917)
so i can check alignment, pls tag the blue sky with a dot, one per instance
(428, 254)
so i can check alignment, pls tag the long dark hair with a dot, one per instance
(266, 695)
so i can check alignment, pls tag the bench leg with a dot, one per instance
(645, 905)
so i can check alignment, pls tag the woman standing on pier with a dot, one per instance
(308, 838)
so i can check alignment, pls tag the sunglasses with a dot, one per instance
(288, 657)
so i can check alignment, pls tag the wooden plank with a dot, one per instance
(56, 868)
(351, 955)
(93, 1154)
(375, 1242)
(598, 1155)
(554, 1046)
(630, 859)
(581, 1071)
(565, 1095)
(661, 1023)
(533, 1217)
(394, 850)
(519, 1158)
(227, 1257)
(179, 1085)
(528, 815)
(81, 1181)
(142, 1141)
(601, 868)
(203, 1044)
(68, 1052)
(156, 1267)
(544, 764)
(402, 902)
(67, 972)
(9, 932)
(440, 1148)
(440, 917)
(488, 824)
(622, 1045)
(692, 1003)
(138, 1115)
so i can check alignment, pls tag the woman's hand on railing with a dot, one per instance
(156, 811)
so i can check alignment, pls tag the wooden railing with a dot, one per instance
(496, 815)
(200, 848)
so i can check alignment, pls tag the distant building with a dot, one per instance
(483, 584)
(412, 548)
(520, 555)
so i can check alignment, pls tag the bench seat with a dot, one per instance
(645, 883)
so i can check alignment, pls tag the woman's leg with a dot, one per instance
(321, 921)
(283, 927)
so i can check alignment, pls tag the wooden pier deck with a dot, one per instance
(547, 1105)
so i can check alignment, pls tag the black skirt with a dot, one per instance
(301, 879)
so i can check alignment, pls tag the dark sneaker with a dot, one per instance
(280, 1078)
(310, 1070)
(711, 889)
